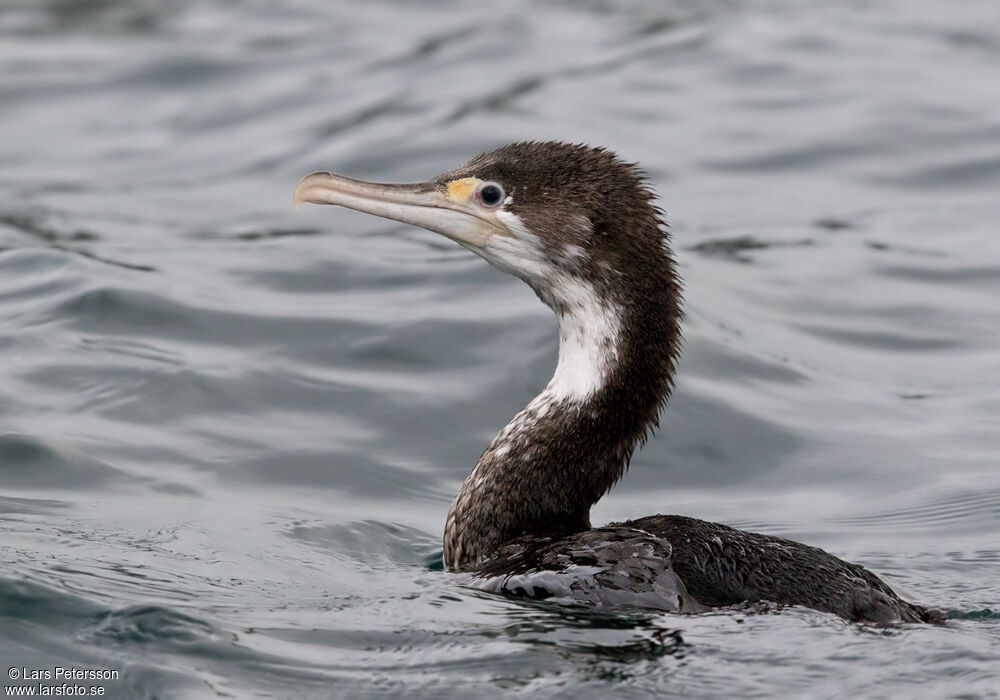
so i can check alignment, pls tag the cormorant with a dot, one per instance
(580, 227)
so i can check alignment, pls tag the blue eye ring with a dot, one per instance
(490, 194)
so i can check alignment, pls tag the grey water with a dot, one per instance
(230, 431)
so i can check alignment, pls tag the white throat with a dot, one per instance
(589, 335)
(590, 327)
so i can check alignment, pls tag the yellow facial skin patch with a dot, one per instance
(461, 190)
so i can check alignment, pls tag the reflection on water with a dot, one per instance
(229, 432)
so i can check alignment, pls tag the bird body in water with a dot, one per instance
(580, 227)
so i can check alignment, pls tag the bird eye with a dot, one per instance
(490, 194)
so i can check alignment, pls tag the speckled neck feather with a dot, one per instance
(618, 310)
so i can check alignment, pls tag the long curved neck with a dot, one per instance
(571, 443)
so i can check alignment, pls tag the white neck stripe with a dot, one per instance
(589, 326)
(589, 333)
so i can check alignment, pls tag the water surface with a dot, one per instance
(230, 432)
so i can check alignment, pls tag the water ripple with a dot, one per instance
(230, 431)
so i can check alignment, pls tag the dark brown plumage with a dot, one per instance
(580, 227)
(544, 479)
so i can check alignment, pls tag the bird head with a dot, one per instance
(555, 215)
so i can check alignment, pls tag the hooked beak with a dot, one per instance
(426, 205)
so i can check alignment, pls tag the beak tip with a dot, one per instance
(299, 196)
